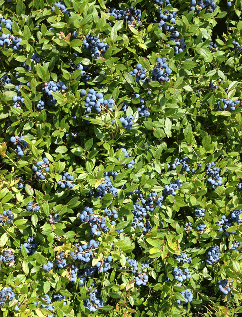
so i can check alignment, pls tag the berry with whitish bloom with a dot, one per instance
(8, 258)
(48, 266)
(30, 245)
(180, 275)
(227, 104)
(188, 297)
(97, 48)
(54, 219)
(199, 212)
(214, 172)
(6, 293)
(66, 181)
(201, 227)
(213, 254)
(183, 258)
(61, 261)
(41, 168)
(161, 70)
(224, 286)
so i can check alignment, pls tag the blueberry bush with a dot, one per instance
(120, 158)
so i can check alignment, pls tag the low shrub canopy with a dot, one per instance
(120, 158)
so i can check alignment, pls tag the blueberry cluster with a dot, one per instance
(95, 301)
(52, 86)
(87, 272)
(84, 71)
(73, 274)
(180, 43)
(153, 199)
(97, 48)
(126, 154)
(199, 212)
(104, 188)
(161, 70)
(160, 2)
(117, 14)
(127, 121)
(41, 168)
(167, 16)
(227, 104)
(240, 186)
(30, 245)
(47, 267)
(140, 73)
(188, 297)
(95, 100)
(8, 258)
(140, 214)
(7, 23)
(142, 108)
(21, 144)
(224, 286)
(5, 79)
(65, 181)
(97, 223)
(215, 178)
(236, 47)
(213, 254)
(180, 275)
(183, 258)
(31, 206)
(18, 101)
(183, 162)
(188, 226)
(85, 252)
(48, 301)
(141, 278)
(10, 41)
(6, 293)
(201, 227)
(200, 5)
(61, 261)
(41, 104)
(104, 265)
(213, 47)
(60, 6)
(6, 217)
(235, 245)
(54, 218)
(172, 188)
(226, 223)
(132, 16)
(34, 58)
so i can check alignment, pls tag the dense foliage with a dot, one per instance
(120, 158)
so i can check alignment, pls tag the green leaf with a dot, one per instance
(20, 223)
(29, 190)
(46, 287)
(27, 33)
(236, 266)
(168, 125)
(41, 72)
(3, 239)
(61, 149)
(34, 220)
(25, 267)
(114, 33)
(88, 144)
